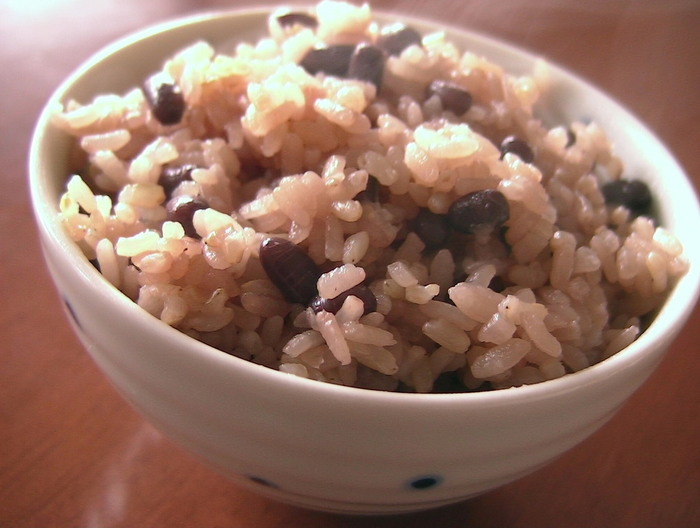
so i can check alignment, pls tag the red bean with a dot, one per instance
(289, 268)
(433, 229)
(296, 18)
(372, 192)
(519, 147)
(452, 96)
(333, 60)
(171, 177)
(360, 291)
(479, 209)
(633, 194)
(182, 208)
(367, 64)
(397, 37)
(497, 284)
(165, 99)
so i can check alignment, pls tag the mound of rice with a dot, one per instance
(342, 167)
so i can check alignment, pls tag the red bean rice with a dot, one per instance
(280, 152)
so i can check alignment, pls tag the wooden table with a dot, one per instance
(73, 454)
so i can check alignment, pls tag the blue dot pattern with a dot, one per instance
(425, 482)
(262, 481)
(71, 312)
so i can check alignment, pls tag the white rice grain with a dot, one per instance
(341, 279)
(447, 335)
(300, 343)
(496, 360)
(81, 193)
(476, 302)
(419, 294)
(108, 262)
(401, 274)
(111, 141)
(333, 335)
(355, 247)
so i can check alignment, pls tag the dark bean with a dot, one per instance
(480, 209)
(367, 64)
(397, 37)
(372, 192)
(182, 208)
(296, 18)
(251, 169)
(452, 96)
(501, 237)
(633, 194)
(360, 291)
(289, 268)
(448, 382)
(517, 146)
(433, 229)
(333, 60)
(165, 99)
(497, 284)
(171, 177)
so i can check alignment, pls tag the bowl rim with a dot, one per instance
(683, 296)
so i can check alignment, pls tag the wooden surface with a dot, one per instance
(73, 454)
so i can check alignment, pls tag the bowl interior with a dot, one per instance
(122, 65)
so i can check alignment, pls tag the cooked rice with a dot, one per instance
(279, 152)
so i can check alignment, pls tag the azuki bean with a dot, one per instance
(397, 37)
(165, 99)
(182, 208)
(433, 229)
(171, 177)
(633, 194)
(360, 291)
(302, 19)
(367, 64)
(452, 96)
(517, 146)
(289, 268)
(497, 284)
(479, 209)
(372, 192)
(333, 60)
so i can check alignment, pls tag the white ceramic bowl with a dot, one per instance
(324, 446)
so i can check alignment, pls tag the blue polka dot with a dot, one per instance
(262, 481)
(425, 482)
(71, 312)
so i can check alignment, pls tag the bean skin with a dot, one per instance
(165, 99)
(171, 177)
(182, 208)
(290, 269)
(372, 192)
(519, 147)
(397, 37)
(360, 291)
(497, 284)
(333, 60)
(633, 194)
(367, 64)
(479, 209)
(452, 96)
(295, 18)
(433, 229)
